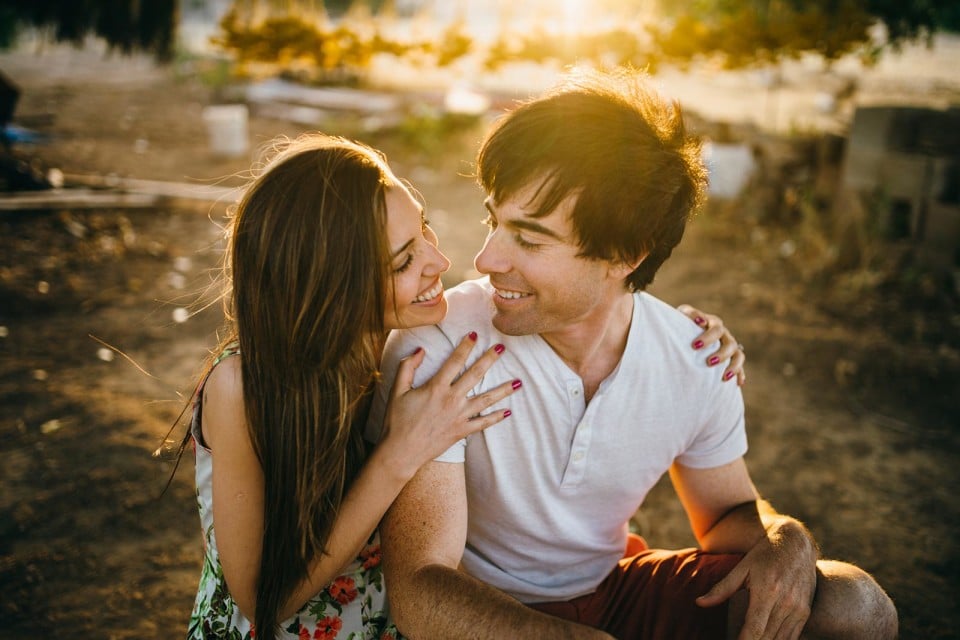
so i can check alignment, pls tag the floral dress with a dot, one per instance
(352, 607)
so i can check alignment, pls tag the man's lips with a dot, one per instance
(506, 293)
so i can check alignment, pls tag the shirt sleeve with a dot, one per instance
(722, 437)
(400, 344)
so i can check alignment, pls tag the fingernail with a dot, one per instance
(728, 375)
(498, 347)
(417, 350)
(713, 360)
(698, 320)
(516, 384)
(472, 335)
(507, 413)
(698, 344)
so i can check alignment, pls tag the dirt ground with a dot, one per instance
(851, 403)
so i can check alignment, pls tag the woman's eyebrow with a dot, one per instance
(405, 246)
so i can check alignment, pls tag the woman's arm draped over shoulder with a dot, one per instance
(421, 423)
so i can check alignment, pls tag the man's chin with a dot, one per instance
(512, 326)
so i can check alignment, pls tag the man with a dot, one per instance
(521, 531)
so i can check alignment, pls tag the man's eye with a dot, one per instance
(523, 243)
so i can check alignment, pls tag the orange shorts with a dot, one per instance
(650, 595)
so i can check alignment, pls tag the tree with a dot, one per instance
(126, 25)
(746, 31)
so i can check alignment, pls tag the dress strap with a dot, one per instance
(196, 431)
(231, 349)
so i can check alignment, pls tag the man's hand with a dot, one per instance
(780, 574)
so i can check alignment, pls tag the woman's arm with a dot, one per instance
(237, 482)
(421, 423)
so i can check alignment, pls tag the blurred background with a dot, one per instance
(830, 244)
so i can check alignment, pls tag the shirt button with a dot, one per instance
(578, 456)
(576, 392)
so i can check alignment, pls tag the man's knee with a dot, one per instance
(850, 604)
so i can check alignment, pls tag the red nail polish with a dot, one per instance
(507, 413)
(713, 360)
(698, 320)
(499, 348)
(472, 335)
(417, 350)
(698, 344)
(728, 375)
(516, 384)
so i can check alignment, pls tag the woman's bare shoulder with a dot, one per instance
(224, 415)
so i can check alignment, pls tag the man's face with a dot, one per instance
(541, 285)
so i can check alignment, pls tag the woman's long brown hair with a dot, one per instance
(307, 261)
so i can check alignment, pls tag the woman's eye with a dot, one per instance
(406, 264)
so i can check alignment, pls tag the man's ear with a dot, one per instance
(623, 268)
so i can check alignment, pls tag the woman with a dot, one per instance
(328, 252)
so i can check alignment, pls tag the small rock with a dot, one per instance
(50, 426)
(183, 264)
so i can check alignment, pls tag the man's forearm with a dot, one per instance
(785, 530)
(745, 525)
(438, 602)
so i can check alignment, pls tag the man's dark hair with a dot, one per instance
(609, 139)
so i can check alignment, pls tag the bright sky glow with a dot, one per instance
(485, 19)
(575, 14)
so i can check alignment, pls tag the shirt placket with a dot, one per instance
(583, 432)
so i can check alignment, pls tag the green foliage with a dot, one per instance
(743, 31)
(454, 44)
(285, 39)
(737, 33)
(430, 132)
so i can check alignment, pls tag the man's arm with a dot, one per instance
(423, 538)
(779, 567)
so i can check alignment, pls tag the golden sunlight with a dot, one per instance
(575, 15)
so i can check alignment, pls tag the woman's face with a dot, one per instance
(414, 293)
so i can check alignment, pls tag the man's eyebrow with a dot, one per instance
(526, 224)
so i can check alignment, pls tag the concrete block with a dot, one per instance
(940, 244)
(902, 175)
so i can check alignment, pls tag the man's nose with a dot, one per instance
(491, 258)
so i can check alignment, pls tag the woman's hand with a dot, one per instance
(423, 422)
(714, 331)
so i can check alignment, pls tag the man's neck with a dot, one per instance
(593, 348)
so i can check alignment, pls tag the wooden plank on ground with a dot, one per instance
(74, 199)
(178, 190)
(94, 191)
